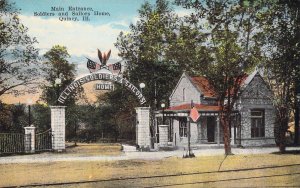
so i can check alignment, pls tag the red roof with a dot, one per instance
(203, 85)
(200, 107)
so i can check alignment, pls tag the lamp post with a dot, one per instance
(142, 85)
(163, 112)
(297, 111)
(29, 102)
(57, 84)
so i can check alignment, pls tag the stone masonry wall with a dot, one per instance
(143, 127)
(163, 135)
(256, 96)
(58, 127)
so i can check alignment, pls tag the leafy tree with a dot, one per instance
(233, 49)
(150, 51)
(19, 66)
(41, 116)
(281, 33)
(13, 118)
(57, 66)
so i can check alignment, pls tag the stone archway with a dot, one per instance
(101, 76)
(58, 112)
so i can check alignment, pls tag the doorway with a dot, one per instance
(210, 129)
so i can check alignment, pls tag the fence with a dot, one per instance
(14, 142)
(43, 141)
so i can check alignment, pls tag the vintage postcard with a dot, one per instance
(149, 93)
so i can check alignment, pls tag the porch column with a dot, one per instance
(218, 131)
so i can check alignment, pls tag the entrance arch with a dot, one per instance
(101, 76)
(58, 112)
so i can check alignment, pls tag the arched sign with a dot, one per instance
(101, 76)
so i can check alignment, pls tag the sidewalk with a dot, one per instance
(129, 154)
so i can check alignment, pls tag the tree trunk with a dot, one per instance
(225, 124)
(282, 144)
(283, 123)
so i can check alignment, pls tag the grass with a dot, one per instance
(94, 149)
(169, 171)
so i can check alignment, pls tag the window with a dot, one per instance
(183, 94)
(182, 127)
(257, 123)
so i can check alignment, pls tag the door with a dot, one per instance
(210, 129)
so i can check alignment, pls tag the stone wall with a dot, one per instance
(183, 141)
(257, 96)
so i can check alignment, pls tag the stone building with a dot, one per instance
(252, 124)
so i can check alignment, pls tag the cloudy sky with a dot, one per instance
(82, 38)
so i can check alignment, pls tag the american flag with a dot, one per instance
(93, 66)
(117, 66)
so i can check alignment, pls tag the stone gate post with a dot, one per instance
(163, 135)
(58, 125)
(143, 128)
(29, 143)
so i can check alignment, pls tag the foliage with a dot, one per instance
(233, 48)
(19, 67)
(281, 33)
(157, 49)
(13, 118)
(57, 66)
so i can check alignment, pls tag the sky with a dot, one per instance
(82, 38)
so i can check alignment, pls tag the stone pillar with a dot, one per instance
(218, 131)
(58, 125)
(29, 143)
(163, 135)
(143, 127)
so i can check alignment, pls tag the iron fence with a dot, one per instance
(12, 142)
(43, 141)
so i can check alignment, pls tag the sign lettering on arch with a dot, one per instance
(101, 76)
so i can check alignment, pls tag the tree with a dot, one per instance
(150, 51)
(280, 23)
(233, 49)
(19, 65)
(57, 66)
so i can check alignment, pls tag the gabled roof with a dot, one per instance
(203, 85)
(199, 107)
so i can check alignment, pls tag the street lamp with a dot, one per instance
(163, 105)
(57, 84)
(29, 102)
(142, 85)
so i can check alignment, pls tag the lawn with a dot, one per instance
(173, 171)
(94, 149)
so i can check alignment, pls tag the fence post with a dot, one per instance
(58, 125)
(29, 142)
